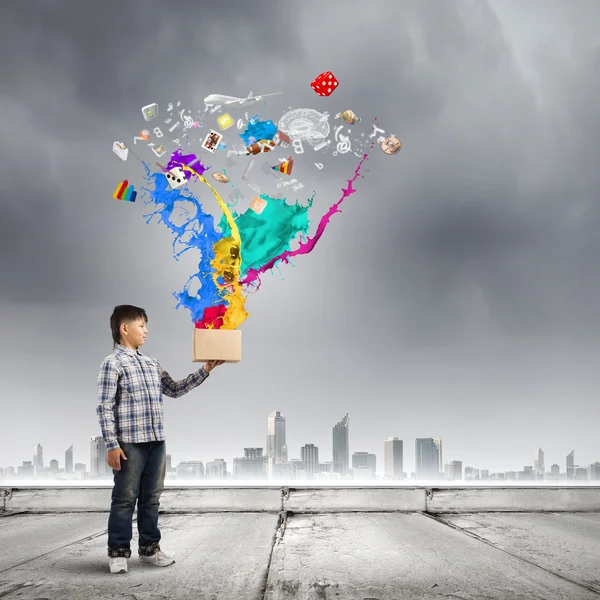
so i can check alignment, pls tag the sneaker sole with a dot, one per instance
(155, 565)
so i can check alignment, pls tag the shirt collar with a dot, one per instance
(127, 350)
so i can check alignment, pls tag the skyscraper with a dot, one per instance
(38, 457)
(69, 460)
(341, 446)
(393, 458)
(98, 465)
(276, 443)
(309, 453)
(571, 465)
(428, 458)
(538, 462)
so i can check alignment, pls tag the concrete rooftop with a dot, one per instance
(273, 542)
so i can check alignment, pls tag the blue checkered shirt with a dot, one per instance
(130, 389)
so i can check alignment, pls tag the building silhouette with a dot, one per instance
(69, 460)
(26, 470)
(276, 443)
(216, 469)
(309, 455)
(98, 465)
(594, 471)
(571, 465)
(538, 462)
(190, 469)
(393, 458)
(253, 465)
(38, 457)
(341, 446)
(453, 470)
(364, 465)
(428, 458)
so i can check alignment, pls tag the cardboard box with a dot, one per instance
(217, 344)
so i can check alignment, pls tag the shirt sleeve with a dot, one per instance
(175, 389)
(108, 378)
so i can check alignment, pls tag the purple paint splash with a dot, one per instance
(305, 247)
(190, 160)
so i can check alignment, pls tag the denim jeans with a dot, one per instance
(141, 478)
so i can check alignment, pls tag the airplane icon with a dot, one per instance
(220, 99)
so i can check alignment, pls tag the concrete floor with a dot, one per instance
(342, 556)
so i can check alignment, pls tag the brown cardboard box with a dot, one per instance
(217, 344)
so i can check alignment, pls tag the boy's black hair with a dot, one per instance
(122, 314)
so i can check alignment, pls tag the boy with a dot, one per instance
(130, 411)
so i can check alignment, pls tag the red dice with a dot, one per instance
(324, 84)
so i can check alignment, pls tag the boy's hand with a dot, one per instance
(113, 458)
(211, 364)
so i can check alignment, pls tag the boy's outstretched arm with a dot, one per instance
(175, 389)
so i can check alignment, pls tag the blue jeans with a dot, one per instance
(141, 478)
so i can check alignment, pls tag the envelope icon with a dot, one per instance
(120, 150)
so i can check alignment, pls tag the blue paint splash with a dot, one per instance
(197, 232)
(259, 130)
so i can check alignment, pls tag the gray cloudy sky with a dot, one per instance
(456, 296)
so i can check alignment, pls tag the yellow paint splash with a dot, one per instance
(226, 265)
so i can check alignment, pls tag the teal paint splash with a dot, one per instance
(308, 245)
(198, 232)
(270, 233)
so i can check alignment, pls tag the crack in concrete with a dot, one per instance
(277, 537)
(6, 495)
(528, 561)
(14, 588)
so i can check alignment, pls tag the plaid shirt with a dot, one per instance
(130, 389)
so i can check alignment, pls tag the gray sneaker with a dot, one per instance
(117, 564)
(160, 559)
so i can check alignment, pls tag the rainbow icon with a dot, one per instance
(285, 167)
(125, 192)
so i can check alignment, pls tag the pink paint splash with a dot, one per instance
(305, 247)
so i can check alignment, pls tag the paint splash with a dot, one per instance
(258, 130)
(253, 273)
(191, 160)
(269, 233)
(226, 265)
(242, 245)
(197, 232)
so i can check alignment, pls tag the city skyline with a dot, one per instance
(326, 451)
(429, 460)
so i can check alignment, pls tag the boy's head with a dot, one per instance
(128, 325)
